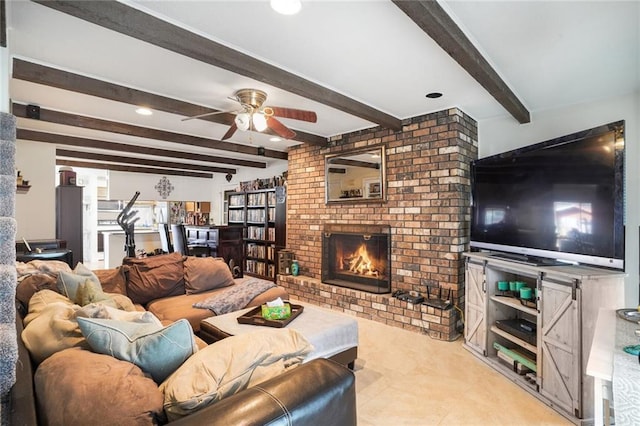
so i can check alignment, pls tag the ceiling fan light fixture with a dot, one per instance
(243, 121)
(144, 111)
(259, 122)
(286, 7)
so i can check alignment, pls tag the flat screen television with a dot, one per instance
(561, 200)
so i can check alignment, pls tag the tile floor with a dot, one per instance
(405, 378)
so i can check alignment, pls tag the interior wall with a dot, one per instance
(35, 210)
(123, 185)
(504, 134)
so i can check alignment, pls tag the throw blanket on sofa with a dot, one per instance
(235, 297)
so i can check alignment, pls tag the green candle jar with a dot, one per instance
(503, 285)
(526, 293)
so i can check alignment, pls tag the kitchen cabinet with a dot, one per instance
(541, 343)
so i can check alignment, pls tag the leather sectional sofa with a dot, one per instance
(77, 386)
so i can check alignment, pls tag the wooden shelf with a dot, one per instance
(514, 303)
(531, 348)
(22, 189)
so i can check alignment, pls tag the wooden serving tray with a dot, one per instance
(254, 317)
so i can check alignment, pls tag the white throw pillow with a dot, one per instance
(229, 366)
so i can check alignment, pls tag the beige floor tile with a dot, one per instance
(406, 378)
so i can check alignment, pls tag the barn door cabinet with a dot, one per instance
(546, 348)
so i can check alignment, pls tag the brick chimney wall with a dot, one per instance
(427, 207)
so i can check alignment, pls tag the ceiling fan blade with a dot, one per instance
(294, 114)
(280, 129)
(230, 132)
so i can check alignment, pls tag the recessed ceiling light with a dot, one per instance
(144, 111)
(434, 95)
(275, 139)
(286, 7)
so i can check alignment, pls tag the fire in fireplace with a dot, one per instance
(357, 256)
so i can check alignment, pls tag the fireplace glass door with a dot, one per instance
(358, 260)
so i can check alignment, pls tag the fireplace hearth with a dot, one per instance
(357, 257)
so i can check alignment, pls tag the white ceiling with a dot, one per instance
(550, 53)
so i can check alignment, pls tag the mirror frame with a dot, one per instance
(380, 180)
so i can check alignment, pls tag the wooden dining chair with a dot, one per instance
(182, 246)
(165, 238)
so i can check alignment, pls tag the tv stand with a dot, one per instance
(542, 343)
(527, 260)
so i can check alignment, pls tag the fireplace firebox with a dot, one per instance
(357, 257)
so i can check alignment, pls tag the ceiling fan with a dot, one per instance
(255, 116)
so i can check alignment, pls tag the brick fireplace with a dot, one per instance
(427, 214)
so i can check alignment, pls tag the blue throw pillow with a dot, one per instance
(156, 350)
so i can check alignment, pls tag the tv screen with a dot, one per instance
(560, 199)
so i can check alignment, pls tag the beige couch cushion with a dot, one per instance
(155, 277)
(32, 284)
(171, 309)
(79, 387)
(205, 273)
(229, 366)
(113, 280)
(37, 275)
(51, 324)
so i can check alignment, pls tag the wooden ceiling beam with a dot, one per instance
(126, 20)
(51, 116)
(438, 25)
(121, 159)
(130, 169)
(37, 136)
(41, 74)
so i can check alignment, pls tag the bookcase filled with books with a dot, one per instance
(263, 213)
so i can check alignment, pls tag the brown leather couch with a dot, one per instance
(320, 392)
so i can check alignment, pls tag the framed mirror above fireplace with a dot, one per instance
(356, 176)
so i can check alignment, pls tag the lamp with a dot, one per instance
(243, 121)
(259, 122)
(286, 7)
